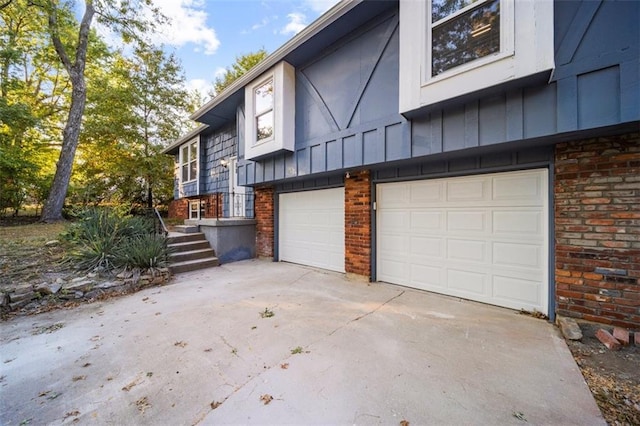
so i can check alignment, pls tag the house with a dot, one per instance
(488, 150)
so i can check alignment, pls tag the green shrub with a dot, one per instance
(145, 252)
(102, 237)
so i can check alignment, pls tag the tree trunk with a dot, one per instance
(52, 210)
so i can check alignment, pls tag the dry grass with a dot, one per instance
(24, 255)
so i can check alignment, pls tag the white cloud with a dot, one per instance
(297, 22)
(199, 84)
(320, 6)
(188, 24)
(219, 72)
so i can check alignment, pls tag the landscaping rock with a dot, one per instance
(82, 286)
(124, 275)
(108, 284)
(19, 297)
(78, 279)
(46, 289)
(570, 328)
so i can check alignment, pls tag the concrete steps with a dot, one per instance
(190, 251)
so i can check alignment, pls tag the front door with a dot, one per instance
(236, 192)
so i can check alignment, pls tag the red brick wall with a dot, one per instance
(264, 221)
(597, 222)
(179, 209)
(210, 205)
(357, 222)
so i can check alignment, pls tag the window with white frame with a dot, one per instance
(263, 101)
(189, 161)
(463, 31)
(450, 48)
(270, 112)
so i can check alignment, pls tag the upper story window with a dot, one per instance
(270, 112)
(264, 117)
(189, 161)
(450, 48)
(463, 31)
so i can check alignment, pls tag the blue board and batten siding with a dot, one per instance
(347, 98)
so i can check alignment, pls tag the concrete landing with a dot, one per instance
(334, 352)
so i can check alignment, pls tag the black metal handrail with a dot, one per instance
(225, 205)
(158, 224)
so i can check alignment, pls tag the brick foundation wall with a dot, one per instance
(179, 209)
(264, 221)
(357, 220)
(597, 224)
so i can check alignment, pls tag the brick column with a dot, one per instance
(597, 229)
(264, 198)
(357, 223)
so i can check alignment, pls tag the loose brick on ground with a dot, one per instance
(607, 339)
(621, 335)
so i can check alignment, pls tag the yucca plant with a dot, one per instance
(148, 251)
(102, 237)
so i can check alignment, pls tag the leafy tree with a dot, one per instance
(136, 105)
(122, 17)
(242, 64)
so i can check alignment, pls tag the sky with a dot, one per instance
(207, 35)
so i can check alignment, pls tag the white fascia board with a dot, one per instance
(186, 138)
(303, 36)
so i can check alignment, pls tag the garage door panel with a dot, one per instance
(517, 255)
(515, 290)
(518, 222)
(426, 192)
(467, 190)
(466, 221)
(393, 220)
(428, 247)
(526, 187)
(467, 250)
(311, 228)
(483, 238)
(426, 277)
(466, 281)
(427, 221)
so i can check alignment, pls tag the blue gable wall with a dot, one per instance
(347, 99)
(346, 108)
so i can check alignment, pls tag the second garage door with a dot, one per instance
(311, 228)
(482, 238)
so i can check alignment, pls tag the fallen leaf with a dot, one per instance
(215, 404)
(518, 415)
(86, 365)
(404, 423)
(208, 350)
(142, 404)
(266, 398)
(145, 299)
(77, 378)
(284, 366)
(74, 413)
(180, 343)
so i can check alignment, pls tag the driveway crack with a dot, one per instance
(366, 314)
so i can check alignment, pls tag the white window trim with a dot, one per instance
(181, 161)
(524, 25)
(256, 114)
(283, 75)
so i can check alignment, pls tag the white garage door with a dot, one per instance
(311, 228)
(481, 237)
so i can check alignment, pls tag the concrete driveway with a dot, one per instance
(369, 354)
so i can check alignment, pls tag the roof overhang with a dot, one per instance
(173, 148)
(340, 20)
